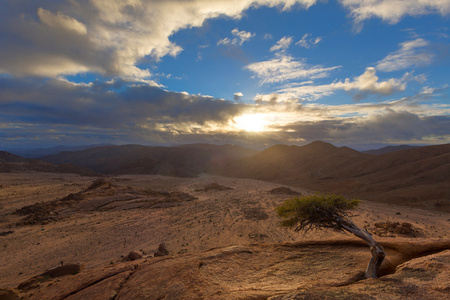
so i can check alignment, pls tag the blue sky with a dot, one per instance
(361, 73)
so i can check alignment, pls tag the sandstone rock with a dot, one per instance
(69, 269)
(162, 250)
(29, 284)
(133, 255)
(305, 270)
(283, 191)
(105, 289)
(8, 294)
(105, 278)
(217, 187)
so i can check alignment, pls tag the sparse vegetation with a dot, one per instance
(314, 212)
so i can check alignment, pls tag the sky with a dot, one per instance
(358, 73)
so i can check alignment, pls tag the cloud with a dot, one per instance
(308, 42)
(110, 37)
(282, 45)
(411, 53)
(62, 112)
(284, 68)
(368, 83)
(392, 11)
(388, 126)
(240, 38)
(116, 107)
(237, 96)
(361, 86)
(60, 20)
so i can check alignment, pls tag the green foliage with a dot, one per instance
(316, 211)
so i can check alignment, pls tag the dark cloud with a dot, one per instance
(118, 110)
(390, 126)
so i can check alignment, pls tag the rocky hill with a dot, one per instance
(389, 149)
(418, 176)
(184, 161)
(13, 163)
(414, 176)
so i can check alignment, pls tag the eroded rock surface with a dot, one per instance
(307, 270)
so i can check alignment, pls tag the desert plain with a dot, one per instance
(222, 236)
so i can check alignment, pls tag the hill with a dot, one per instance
(414, 176)
(39, 152)
(13, 163)
(389, 149)
(417, 176)
(294, 164)
(184, 161)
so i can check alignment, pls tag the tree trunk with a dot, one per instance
(375, 262)
(376, 249)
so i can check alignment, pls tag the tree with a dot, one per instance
(329, 211)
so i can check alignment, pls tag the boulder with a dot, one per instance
(133, 255)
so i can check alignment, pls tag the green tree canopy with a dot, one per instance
(316, 211)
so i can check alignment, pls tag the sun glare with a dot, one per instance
(251, 122)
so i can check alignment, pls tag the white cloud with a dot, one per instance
(106, 36)
(237, 96)
(361, 86)
(240, 38)
(60, 20)
(368, 83)
(282, 44)
(410, 54)
(393, 10)
(308, 41)
(284, 68)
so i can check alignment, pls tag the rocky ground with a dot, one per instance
(222, 237)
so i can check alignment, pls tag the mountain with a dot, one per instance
(186, 160)
(14, 163)
(294, 164)
(415, 176)
(39, 152)
(389, 149)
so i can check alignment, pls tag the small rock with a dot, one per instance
(162, 250)
(133, 255)
(283, 191)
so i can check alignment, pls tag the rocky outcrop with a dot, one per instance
(307, 270)
(282, 190)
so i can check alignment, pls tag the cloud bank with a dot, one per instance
(392, 11)
(108, 37)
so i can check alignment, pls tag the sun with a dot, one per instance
(251, 122)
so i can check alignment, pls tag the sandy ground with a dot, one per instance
(239, 216)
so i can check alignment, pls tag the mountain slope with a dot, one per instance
(389, 149)
(295, 164)
(418, 176)
(13, 163)
(187, 160)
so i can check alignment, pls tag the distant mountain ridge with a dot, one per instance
(389, 149)
(13, 163)
(39, 152)
(410, 177)
(185, 160)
